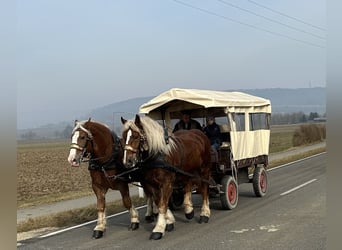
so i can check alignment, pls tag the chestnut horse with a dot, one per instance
(183, 159)
(104, 150)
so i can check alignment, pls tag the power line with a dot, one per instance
(247, 24)
(271, 20)
(285, 15)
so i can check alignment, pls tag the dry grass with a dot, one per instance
(281, 137)
(295, 157)
(73, 217)
(309, 133)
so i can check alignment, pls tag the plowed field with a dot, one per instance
(43, 173)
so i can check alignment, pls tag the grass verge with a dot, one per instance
(75, 216)
(295, 157)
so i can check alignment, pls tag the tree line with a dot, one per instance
(276, 119)
(294, 118)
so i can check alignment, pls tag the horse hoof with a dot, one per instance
(97, 234)
(149, 218)
(204, 219)
(134, 226)
(170, 227)
(189, 216)
(156, 236)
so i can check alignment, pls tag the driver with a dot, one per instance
(186, 122)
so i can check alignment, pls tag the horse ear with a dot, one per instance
(123, 120)
(89, 119)
(75, 122)
(137, 119)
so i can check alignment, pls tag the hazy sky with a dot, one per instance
(77, 55)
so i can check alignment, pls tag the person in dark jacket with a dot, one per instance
(212, 130)
(186, 122)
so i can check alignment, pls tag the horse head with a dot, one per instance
(135, 141)
(80, 137)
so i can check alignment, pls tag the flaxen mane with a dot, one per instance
(154, 134)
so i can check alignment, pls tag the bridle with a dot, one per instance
(83, 148)
(142, 146)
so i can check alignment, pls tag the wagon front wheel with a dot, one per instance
(229, 197)
(260, 181)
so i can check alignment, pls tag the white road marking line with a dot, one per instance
(298, 187)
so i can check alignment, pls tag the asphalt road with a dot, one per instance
(292, 215)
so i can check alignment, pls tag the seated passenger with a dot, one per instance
(212, 130)
(186, 122)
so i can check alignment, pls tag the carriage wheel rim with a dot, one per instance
(232, 192)
(263, 182)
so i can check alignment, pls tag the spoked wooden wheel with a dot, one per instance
(260, 181)
(229, 197)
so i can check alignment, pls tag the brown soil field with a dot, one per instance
(43, 173)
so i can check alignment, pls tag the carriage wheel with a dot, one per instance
(260, 181)
(176, 199)
(229, 197)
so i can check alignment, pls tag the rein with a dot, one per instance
(120, 176)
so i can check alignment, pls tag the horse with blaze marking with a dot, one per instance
(184, 160)
(105, 152)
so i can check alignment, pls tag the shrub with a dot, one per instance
(309, 133)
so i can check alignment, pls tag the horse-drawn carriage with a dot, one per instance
(169, 165)
(245, 127)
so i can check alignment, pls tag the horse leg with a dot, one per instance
(163, 215)
(159, 229)
(170, 221)
(101, 211)
(150, 210)
(205, 210)
(187, 204)
(127, 202)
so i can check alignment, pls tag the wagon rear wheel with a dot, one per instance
(260, 181)
(230, 196)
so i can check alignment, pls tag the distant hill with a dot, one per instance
(115, 110)
(283, 100)
(294, 100)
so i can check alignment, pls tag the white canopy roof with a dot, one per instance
(245, 144)
(177, 99)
